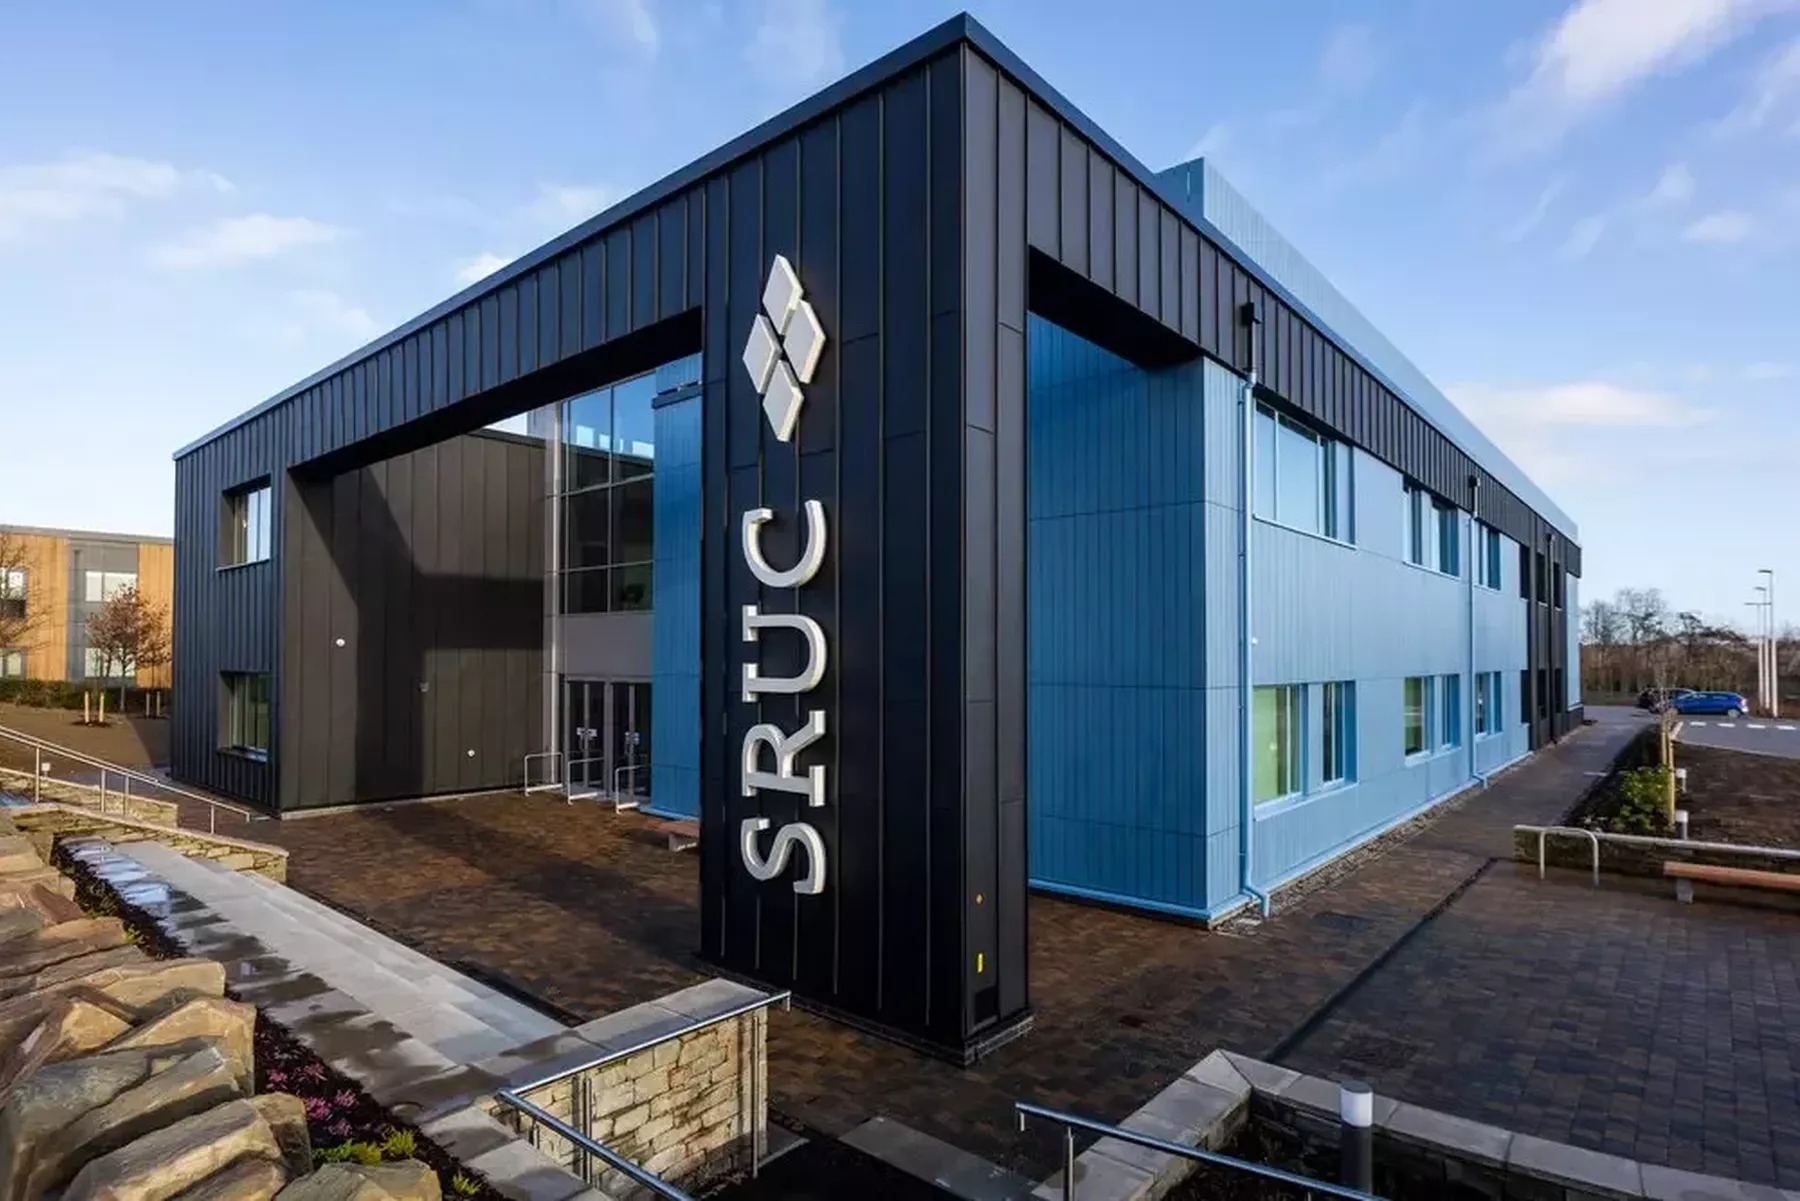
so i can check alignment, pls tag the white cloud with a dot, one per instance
(627, 22)
(1350, 59)
(77, 186)
(1400, 149)
(1767, 372)
(330, 312)
(1583, 236)
(796, 44)
(1522, 228)
(1210, 144)
(1674, 187)
(1776, 82)
(1600, 49)
(480, 267)
(1577, 403)
(563, 205)
(232, 240)
(1723, 228)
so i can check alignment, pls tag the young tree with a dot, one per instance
(19, 617)
(129, 632)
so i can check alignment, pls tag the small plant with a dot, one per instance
(1643, 802)
(354, 1151)
(462, 1186)
(400, 1144)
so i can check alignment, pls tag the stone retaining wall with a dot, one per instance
(1628, 859)
(88, 796)
(44, 824)
(689, 1109)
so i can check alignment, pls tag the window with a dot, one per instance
(1525, 695)
(244, 722)
(1525, 571)
(1278, 740)
(1301, 479)
(246, 537)
(1417, 710)
(95, 667)
(1487, 703)
(1487, 555)
(1337, 760)
(1543, 692)
(1543, 580)
(1430, 531)
(101, 586)
(1556, 581)
(12, 664)
(609, 520)
(13, 583)
(1450, 727)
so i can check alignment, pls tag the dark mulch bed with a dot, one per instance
(344, 1121)
(1735, 796)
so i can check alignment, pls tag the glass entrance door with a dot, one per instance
(606, 740)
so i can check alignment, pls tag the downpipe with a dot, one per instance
(1251, 318)
(1474, 529)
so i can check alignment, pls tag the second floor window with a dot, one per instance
(247, 516)
(13, 581)
(1431, 530)
(1302, 479)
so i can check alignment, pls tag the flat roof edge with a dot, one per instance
(47, 531)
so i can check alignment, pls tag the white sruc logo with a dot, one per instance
(785, 342)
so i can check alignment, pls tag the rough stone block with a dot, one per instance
(232, 1023)
(196, 1083)
(672, 1099)
(405, 1180)
(631, 1119)
(72, 1026)
(650, 1085)
(286, 1116)
(664, 1055)
(18, 922)
(1574, 1167)
(177, 1157)
(54, 944)
(616, 1099)
(245, 1180)
(76, 968)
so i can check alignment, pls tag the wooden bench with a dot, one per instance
(1684, 874)
(683, 836)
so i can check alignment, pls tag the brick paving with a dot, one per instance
(588, 909)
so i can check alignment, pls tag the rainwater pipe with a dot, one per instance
(1251, 317)
(1477, 546)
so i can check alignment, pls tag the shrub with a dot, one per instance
(463, 1186)
(349, 1152)
(400, 1144)
(1643, 802)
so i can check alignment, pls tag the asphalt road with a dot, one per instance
(1761, 735)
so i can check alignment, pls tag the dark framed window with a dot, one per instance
(609, 494)
(1302, 478)
(14, 583)
(1525, 695)
(1525, 572)
(244, 712)
(245, 529)
(1337, 760)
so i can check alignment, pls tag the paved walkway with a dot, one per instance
(589, 910)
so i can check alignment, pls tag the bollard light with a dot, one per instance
(1681, 780)
(1356, 1139)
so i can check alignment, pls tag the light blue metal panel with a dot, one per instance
(1116, 636)
(1222, 801)
(1222, 392)
(1217, 202)
(675, 640)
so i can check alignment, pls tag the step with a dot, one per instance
(438, 1005)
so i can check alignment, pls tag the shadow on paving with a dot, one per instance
(588, 909)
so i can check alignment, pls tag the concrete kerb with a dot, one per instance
(1208, 1105)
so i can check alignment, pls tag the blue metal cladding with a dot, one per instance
(1116, 637)
(675, 682)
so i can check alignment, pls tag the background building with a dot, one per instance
(925, 495)
(52, 581)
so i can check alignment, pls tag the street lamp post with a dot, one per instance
(1756, 641)
(1774, 649)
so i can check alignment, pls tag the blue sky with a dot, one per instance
(1580, 217)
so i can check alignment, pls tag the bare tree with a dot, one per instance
(19, 617)
(129, 633)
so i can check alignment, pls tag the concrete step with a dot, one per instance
(460, 1017)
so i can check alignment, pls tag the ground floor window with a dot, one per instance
(1450, 729)
(1277, 740)
(12, 665)
(1337, 759)
(98, 665)
(244, 716)
(1487, 702)
(1417, 704)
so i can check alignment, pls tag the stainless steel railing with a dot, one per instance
(124, 776)
(1070, 1123)
(514, 1097)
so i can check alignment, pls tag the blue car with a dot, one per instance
(1724, 704)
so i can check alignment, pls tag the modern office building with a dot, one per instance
(924, 494)
(52, 581)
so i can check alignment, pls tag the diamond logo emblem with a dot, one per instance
(785, 343)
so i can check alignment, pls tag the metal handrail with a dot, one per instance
(1545, 831)
(552, 777)
(1071, 1122)
(617, 798)
(511, 1095)
(41, 745)
(640, 1176)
